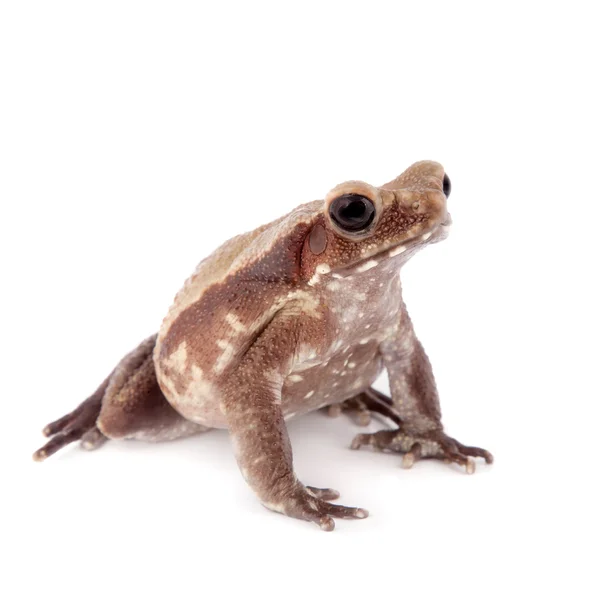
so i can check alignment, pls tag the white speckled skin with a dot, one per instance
(363, 315)
(299, 314)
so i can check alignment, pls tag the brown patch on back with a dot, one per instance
(251, 294)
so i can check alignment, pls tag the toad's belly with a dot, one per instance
(313, 384)
(345, 374)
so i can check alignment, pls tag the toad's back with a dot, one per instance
(221, 309)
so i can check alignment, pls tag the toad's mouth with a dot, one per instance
(406, 248)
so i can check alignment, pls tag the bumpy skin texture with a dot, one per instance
(296, 315)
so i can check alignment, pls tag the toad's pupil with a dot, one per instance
(353, 211)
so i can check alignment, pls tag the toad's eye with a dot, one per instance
(447, 186)
(352, 212)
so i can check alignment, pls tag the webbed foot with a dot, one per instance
(433, 444)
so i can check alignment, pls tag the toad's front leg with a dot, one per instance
(252, 405)
(420, 432)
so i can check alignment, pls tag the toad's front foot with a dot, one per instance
(432, 444)
(311, 504)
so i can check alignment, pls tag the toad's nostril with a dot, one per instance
(446, 186)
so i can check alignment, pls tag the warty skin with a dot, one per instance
(301, 313)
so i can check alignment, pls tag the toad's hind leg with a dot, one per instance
(128, 405)
(364, 405)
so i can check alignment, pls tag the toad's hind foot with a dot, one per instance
(364, 405)
(128, 405)
(433, 444)
(77, 425)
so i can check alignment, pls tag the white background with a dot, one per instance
(136, 137)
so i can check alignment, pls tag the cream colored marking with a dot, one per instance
(311, 393)
(295, 378)
(364, 341)
(235, 323)
(314, 280)
(225, 357)
(198, 390)
(177, 360)
(336, 345)
(397, 250)
(426, 236)
(337, 276)
(321, 269)
(366, 266)
(305, 356)
(308, 303)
